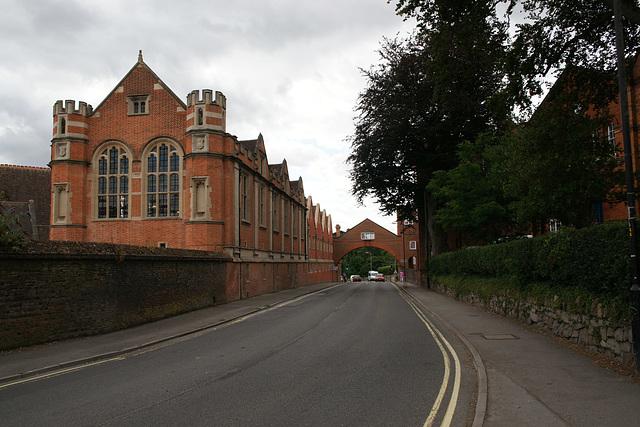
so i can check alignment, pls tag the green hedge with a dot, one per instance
(594, 259)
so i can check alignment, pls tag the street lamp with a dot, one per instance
(370, 262)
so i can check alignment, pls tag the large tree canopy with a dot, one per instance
(397, 130)
(431, 91)
(555, 34)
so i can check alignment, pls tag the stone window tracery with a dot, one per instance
(163, 180)
(113, 183)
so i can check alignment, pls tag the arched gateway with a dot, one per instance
(403, 246)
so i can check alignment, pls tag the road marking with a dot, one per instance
(59, 372)
(164, 344)
(442, 342)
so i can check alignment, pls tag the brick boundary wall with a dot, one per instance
(49, 297)
(593, 331)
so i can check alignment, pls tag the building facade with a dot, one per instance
(144, 168)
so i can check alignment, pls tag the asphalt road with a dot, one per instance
(353, 355)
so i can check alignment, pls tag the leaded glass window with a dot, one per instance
(113, 183)
(163, 181)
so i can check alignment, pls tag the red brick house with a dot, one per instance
(145, 168)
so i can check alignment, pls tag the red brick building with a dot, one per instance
(618, 211)
(604, 210)
(145, 168)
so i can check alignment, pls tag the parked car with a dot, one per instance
(379, 277)
(356, 278)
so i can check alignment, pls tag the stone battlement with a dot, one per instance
(207, 98)
(69, 107)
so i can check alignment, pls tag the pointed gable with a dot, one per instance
(139, 109)
(141, 80)
(280, 175)
(256, 154)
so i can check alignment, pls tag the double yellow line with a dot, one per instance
(446, 349)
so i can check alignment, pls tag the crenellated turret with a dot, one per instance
(207, 98)
(208, 113)
(68, 107)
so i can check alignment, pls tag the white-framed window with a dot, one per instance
(138, 105)
(113, 182)
(163, 183)
(367, 235)
(554, 225)
(412, 245)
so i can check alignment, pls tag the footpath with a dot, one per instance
(524, 377)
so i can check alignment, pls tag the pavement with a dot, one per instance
(524, 377)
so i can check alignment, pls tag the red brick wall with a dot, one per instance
(77, 295)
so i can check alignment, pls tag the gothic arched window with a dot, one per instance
(163, 180)
(113, 182)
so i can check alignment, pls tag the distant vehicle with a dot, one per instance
(372, 275)
(356, 278)
(379, 278)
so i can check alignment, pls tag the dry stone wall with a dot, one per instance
(594, 331)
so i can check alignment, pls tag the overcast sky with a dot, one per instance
(289, 70)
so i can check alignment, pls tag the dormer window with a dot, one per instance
(137, 105)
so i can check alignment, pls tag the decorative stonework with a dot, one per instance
(62, 150)
(200, 143)
(200, 198)
(61, 208)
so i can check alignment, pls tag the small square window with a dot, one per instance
(138, 105)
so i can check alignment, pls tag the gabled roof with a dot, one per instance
(141, 63)
(254, 146)
(297, 186)
(279, 169)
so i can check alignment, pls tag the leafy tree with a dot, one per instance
(471, 193)
(398, 139)
(553, 167)
(556, 34)
(432, 91)
(360, 263)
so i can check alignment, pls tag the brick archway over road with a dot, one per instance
(367, 234)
